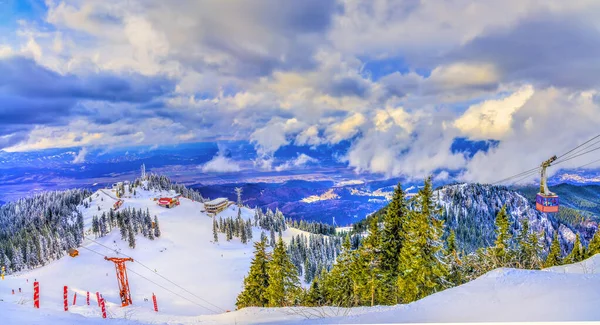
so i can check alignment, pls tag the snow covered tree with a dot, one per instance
(284, 287)
(273, 242)
(391, 244)
(156, 227)
(215, 234)
(554, 256)
(131, 235)
(257, 280)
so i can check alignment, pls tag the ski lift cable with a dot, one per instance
(561, 156)
(155, 272)
(158, 285)
(576, 154)
(581, 154)
(581, 150)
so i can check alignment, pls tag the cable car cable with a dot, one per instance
(581, 154)
(578, 146)
(578, 151)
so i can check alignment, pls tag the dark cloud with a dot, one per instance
(348, 87)
(23, 77)
(32, 94)
(549, 51)
(256, 37)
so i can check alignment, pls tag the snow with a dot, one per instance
(213, 273)
(216, 201)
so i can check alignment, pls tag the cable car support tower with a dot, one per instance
(122, 279)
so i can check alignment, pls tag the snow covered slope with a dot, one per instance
(566, 293)
(212, 273)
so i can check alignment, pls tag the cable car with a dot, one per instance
(546, 201)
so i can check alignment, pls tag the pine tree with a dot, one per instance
(156, 227)
(315, 295)
(257, 280)
(215, 234)
(131, 236)
(536, 245)
(501, 251)
(243, 235)
(284, 286)
(391, 243)
(576, 254)
(273, 242)
(554, 256)
(525, 251)
(95, 226)
(594, 245)
(421, 271)
(454, 263)
(338, 284)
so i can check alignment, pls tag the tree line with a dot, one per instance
(130, 223)
(402, 259)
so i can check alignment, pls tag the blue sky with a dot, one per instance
(398, 83)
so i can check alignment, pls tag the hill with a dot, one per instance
(470, 210)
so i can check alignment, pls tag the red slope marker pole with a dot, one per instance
(155, 304)
(36, 295)
(66, 296)
(103, 305)
(88, 298)
(75, 299)
(98, 298)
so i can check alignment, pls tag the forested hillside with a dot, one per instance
(41, 228)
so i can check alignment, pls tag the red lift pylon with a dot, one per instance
(122, 279)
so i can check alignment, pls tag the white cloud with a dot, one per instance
(300, 161)
(80, 158)
(492, 118)
(541, 128)
(220, 164)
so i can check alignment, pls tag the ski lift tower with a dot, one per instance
(122, 279)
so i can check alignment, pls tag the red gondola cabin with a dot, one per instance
(546, 204)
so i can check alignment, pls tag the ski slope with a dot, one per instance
(212, 274)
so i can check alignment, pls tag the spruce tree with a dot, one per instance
(500, 250)
(421, 271)
(284, 286)
(576, 254)
(525, 251)
(131, 237)
(215, 234)
(156, 227)
(257, 280)
(594, 245)
(338, 284)
(554, 256)
(455, 276)
(391, 243)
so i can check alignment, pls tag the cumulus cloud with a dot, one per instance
(220, 164)
(540, 129)
(300, 161)
(378, 74)
(80, 157)
(492, 118)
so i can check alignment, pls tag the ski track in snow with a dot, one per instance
(186, 255)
